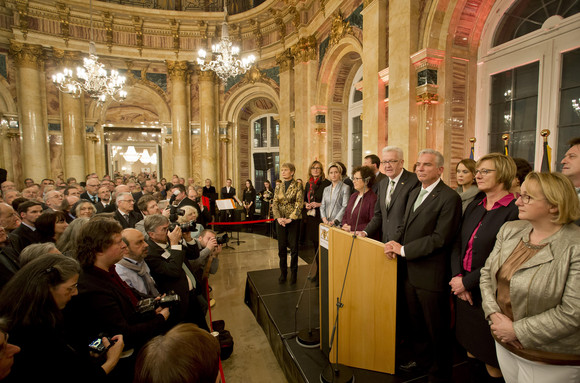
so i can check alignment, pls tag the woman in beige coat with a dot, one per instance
(530, 285)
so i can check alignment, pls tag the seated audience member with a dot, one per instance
(8, 350)
(30, 193)
(53, 200)
(168, 257)
(32, 302)
(523, 168)
(361, 205)
(186, 354)
(125, 213)
(133, 269)
(31, 252)
(26, 233)
(104, 194)
(9, 219)
(105, 303)
(91, 190)
(68, 241)
(9, 261)
(7, 185)
(68, 209)
(10, 196)
(466, 185)
(17, 202)
(84, 209)
(530, 282)
(189, 217)
(50, 225)
(72, 191)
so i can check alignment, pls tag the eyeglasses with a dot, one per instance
(356, 178)
(315, 168)
(391, 162)
(526, 198)
(72, 288)
(484, 172)
(127, 200)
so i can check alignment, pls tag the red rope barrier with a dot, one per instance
(240, 223)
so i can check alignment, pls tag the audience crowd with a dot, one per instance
(106, 279)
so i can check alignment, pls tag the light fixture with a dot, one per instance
(131, 155)
(145, 157)
(225, 62)
(576, 106)
(154, 159)
(91, 78)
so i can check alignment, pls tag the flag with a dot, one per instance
(546, 158)
(472, 154)
(505, 149)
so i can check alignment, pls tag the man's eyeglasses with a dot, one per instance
(484, 172)
(356, 178)
(391, 162)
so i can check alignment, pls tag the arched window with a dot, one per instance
(528, 77)
(265, 135)
(355, 105)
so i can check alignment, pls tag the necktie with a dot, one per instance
(126, 216)
(390, 193)
(419, 199)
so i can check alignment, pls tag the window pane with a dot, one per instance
(569, 121)
(523, 145)
(356, 141)
(524, 114)
(526, 80)
(274, 132)
(260, 133)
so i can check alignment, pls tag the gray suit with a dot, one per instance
(391, 218)
(333, 208)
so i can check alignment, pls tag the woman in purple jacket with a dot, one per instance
(361, 205)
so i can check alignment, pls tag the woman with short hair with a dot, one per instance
(84, 209)
(531, 282)
(361, 205)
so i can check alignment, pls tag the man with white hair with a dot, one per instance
(125, 213)
(53, 200)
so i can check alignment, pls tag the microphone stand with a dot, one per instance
(340, 373)
(309, 338)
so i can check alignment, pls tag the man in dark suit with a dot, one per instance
(227, 191)
(125, 213)
(571, 166)
(26, 234)
(91, 193)
(425, 239)
(203, 217)
(168, 258)
(392, 196)
(373, 162)
(104, 199)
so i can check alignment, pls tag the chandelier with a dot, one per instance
(131, 155)
(225, 62)
(576, 106)
(92, 78)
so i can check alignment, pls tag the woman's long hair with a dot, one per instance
(68, 241)
(45, 224)
(26, 300)
(251, 185)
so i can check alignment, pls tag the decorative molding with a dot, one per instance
(23, 21)
(27, 55)
(175, 33)
(427, 59)
(64, 17)
(258, 35)
(340, 28)
(138, 26)
(108, 21)
(67, 58)
(305, 49)
(285, 60)
(281, 26)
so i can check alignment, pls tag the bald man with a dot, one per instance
(133, 269)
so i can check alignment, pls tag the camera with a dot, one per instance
(185, 227)
(98, 347)
(175, 212)
(223, 239)
(150, 304)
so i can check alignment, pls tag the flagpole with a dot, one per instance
(473, 140)
(505, 138)
(546, 160)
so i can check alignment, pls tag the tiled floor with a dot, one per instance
(253, 360)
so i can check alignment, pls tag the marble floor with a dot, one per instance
(252, 360)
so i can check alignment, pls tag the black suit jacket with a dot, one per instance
(101, 306)
(136, 196)
(389, 220)
(85, 195)
(483, 242)
(428, 234)
(168, 272)
(102, 209)
(208, 191)
(23, 236)
(224, 194)
(134, 217)
(9, 264)
(378, 178)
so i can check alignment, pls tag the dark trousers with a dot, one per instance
(429, 314)
(288, 238)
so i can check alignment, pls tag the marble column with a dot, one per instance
(208, 126)
(286, 147)
(402, 128)
(224, 152)
(91, 160)
(7, 158)
(30, 91)
(100, 154)
(180, 117)
(375, 13)
(167, 155)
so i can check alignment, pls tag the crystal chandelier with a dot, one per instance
(91, 78)
(131, 155)
(225, 62)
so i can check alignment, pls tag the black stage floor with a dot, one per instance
(274, 305)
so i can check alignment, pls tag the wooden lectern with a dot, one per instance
(368, 318)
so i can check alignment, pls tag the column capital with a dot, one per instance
(305, 49)
(340, 28)
(207, 75)
(178, 70)
(92, 137)
(27, 55)
(67, 58)
(285, 60)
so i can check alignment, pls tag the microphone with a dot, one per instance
(336, 223)
(367, 180)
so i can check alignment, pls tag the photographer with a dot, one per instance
(190, 216)
(181, 200)
(167, 258)
(208, 247)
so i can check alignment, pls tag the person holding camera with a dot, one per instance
(32, 303)
(182, 200)
(168, 258)
(190, 218)
(209, 248)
